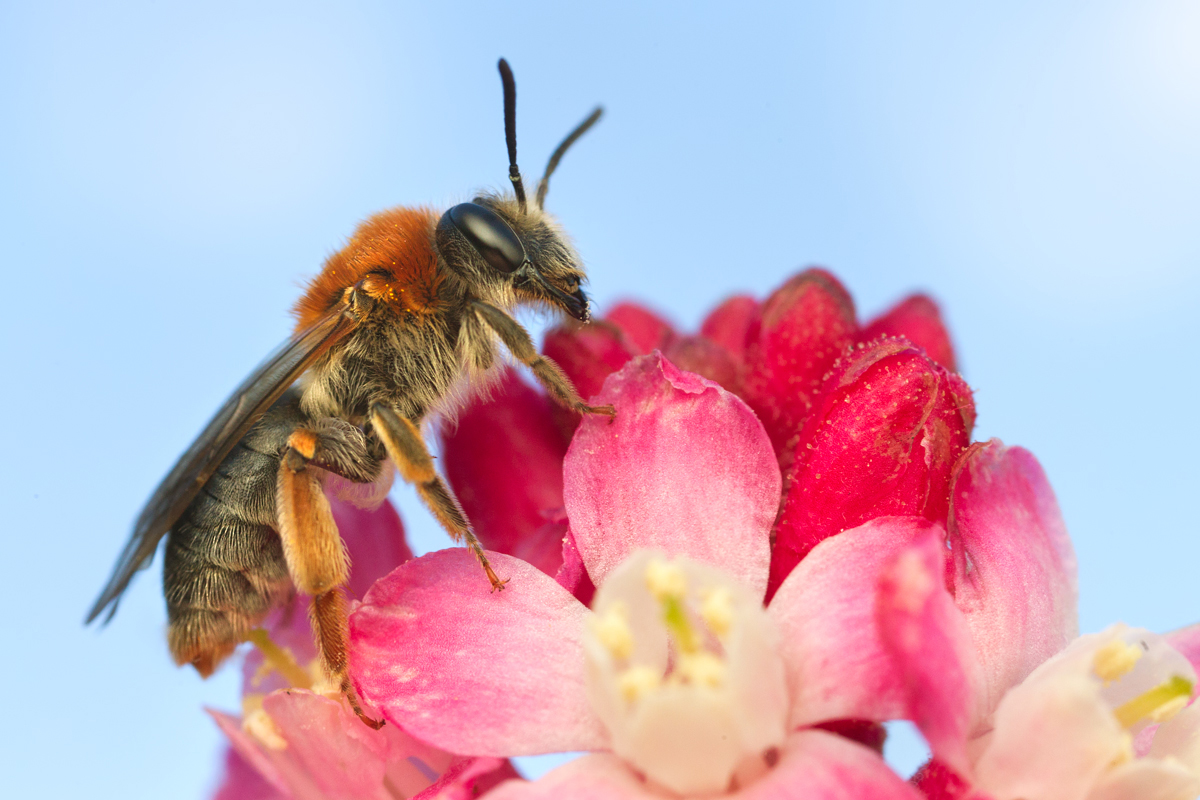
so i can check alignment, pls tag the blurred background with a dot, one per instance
(169, 177)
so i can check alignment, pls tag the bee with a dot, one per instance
(411, 310)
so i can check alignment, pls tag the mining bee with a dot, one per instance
(400, 324)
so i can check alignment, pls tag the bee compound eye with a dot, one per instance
(490, 235)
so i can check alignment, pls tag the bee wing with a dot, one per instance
(244, 407)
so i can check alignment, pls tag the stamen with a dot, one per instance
(675, 617)
(1161, 701)
(665, 580)
(281, 660)
(717, 610)
(636, 682)
(1115, 659)
(701, 669)
(612, 629)
(259, 724)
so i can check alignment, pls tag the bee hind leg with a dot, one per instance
(316, 558)
(405, 446)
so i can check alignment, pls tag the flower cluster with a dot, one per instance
(784, 538)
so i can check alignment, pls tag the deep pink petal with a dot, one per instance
(706, 358)
(642, 327)
(468, 779)
(1014, 572)
(243, 782)
(275, 766)
(685, 466)
(917, 319)
(729, 323)
(927, 636)
(812, 765)
(939, 782)
(375, 540)
(799, 332)
(504, 460)
(883, 439)
(588, 353)
(471, 670)
(860, 641)
(572, 575)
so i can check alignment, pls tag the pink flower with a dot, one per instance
(1106, 719)
(297, 737)
(862, 628)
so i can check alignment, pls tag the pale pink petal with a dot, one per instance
(841, 664)
(276, 766)
(1014, 567)
(685, 467)
(1187, 641)
(707, 358)
(927, 636)
(812, 765)
(471, 670)
(1147, 779)
(243, 782)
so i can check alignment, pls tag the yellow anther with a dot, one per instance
(1115, 659)
(679, 625)
(612, 629)
(1159, 701)
(701, 669)
(717, 610)
(665, 580)
(636, 682)
(259, 724)
(1168, 709)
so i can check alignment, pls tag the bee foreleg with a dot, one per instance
(548, 374)
(316, 556)
(405, 446)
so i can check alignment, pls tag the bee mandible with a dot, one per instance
(398, 321)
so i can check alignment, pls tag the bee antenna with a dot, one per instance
(510, 129)
(556, 156)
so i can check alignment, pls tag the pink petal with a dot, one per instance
(1187, 641)
(642, 327)
(469, 779)
(706, 358)
(867, 630)
(812, 765)
(504, 460)
(375, 540)
(917, 319)
(882, 440)
(588, 353)
(685, 466)
(799, 332)
(471, 670)
(1013, 567)
(729, 323)
(572, 575)
(242, 782)
(925, 633)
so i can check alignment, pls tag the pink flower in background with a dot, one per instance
(298, 739)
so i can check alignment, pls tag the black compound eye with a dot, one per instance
(490, 235)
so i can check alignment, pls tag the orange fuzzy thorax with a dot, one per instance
(392, 254)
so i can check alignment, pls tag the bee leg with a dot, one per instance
(548, 374)
(316, 557)
(407, 449)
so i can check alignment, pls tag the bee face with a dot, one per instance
(494, 239)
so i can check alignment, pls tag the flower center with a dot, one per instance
(1145, 680)
(685, 673)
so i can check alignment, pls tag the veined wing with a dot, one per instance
(236, 417)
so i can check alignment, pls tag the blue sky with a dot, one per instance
(169, 176)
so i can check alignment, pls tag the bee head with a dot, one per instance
(504, 238)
